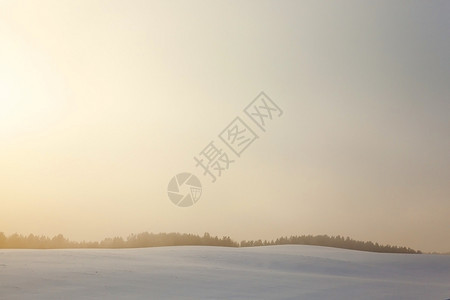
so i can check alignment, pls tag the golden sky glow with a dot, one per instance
(102, 102)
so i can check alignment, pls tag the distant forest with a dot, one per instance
(147, 239)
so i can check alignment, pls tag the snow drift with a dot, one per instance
(196, 272)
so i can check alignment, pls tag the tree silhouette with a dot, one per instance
(146, 239)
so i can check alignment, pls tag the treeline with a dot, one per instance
(331, 241)
(146, 239)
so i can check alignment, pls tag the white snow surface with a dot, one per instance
(202, 272)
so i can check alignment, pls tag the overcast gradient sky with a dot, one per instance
(102, 102)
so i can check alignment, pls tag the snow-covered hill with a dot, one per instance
(192, 272)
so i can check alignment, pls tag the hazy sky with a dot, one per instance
(102, 102)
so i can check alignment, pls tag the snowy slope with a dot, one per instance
(192, 272)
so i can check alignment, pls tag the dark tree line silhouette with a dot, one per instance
(146, 239)
(331, 241)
